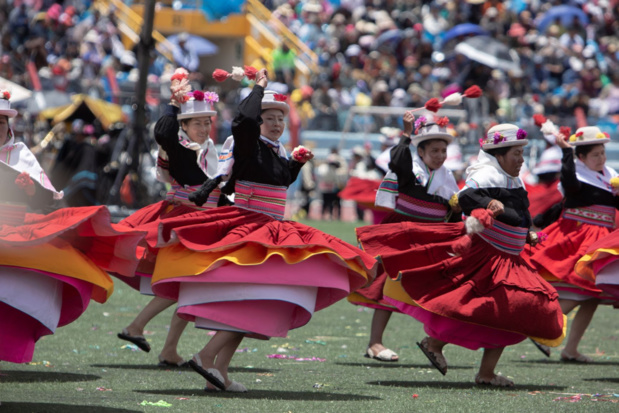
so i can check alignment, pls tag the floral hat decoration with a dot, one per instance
(503, 135)
(5, 104)
(589, 135)
(271, 99)
(194, 104)
(426, 130)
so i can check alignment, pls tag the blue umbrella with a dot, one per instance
(565, 13)
(463, 30)
(393, 37)
(198, 45)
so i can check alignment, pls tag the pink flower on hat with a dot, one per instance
(497, 137)
(521, 134)
(211, 97)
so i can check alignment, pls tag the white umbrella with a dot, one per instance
(490, 52)
(18, 92)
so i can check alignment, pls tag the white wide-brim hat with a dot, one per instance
(196, 109)
(588, 135)
(508, 136)
(269, 101)
(432, 131)
(5, 109)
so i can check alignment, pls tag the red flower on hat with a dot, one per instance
(433, 105)
(220, 75)
(250, 72)
(442, 122)
(606, 134)
(539, 120)
(179, 74)
(198, 95)
(579, 134)
(565, 130)
(6, 94)
(279, 97)
(472, 92)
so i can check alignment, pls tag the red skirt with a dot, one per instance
(51, 266)
(376, 240)
(542, 197)
(147, 220)
(234, 269)
(568, 241)
(487, 291)
(362, 191)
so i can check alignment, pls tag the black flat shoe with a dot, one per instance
(165, 363)
(213, 376)
(137, 340)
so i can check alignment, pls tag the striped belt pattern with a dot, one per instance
(267, 199)
(389, 185)
(178, 195)
(505, 237)
(601, 215)
(424, 210)
(12, 214)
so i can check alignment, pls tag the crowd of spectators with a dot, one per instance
(396, 53)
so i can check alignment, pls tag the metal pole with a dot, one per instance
(145, 46)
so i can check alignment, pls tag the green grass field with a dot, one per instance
(85, 368)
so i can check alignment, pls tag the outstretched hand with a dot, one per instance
(262, 78)
(408, 119)
(561, 141)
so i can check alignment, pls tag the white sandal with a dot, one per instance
(384, 355)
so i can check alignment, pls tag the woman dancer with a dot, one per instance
(420, 190)
(243, 270)
(187, 156)
(588, 215)
(49, 264)
(474, 289)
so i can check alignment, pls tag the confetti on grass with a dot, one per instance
(160, 403)
(284, 356)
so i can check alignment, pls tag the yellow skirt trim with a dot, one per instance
(393, 289)
(584, 269)
(554, 342)
(59, 257)
(176, 260)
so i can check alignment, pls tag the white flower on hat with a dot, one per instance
(549, 128)
(237, 73)
(453, 99)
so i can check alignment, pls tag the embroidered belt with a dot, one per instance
(601, 215)
(267, 199)
(179, 195)
(12, 214)
(505, 237)
(424, 210)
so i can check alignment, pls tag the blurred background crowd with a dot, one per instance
(558, 58)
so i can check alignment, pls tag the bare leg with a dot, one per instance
(379, 323)
(218, 342)
(154, 307)
(579, 326)
(486, 373)
(225, 356)
(568, 305)
(435, 345)
(170, 347)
